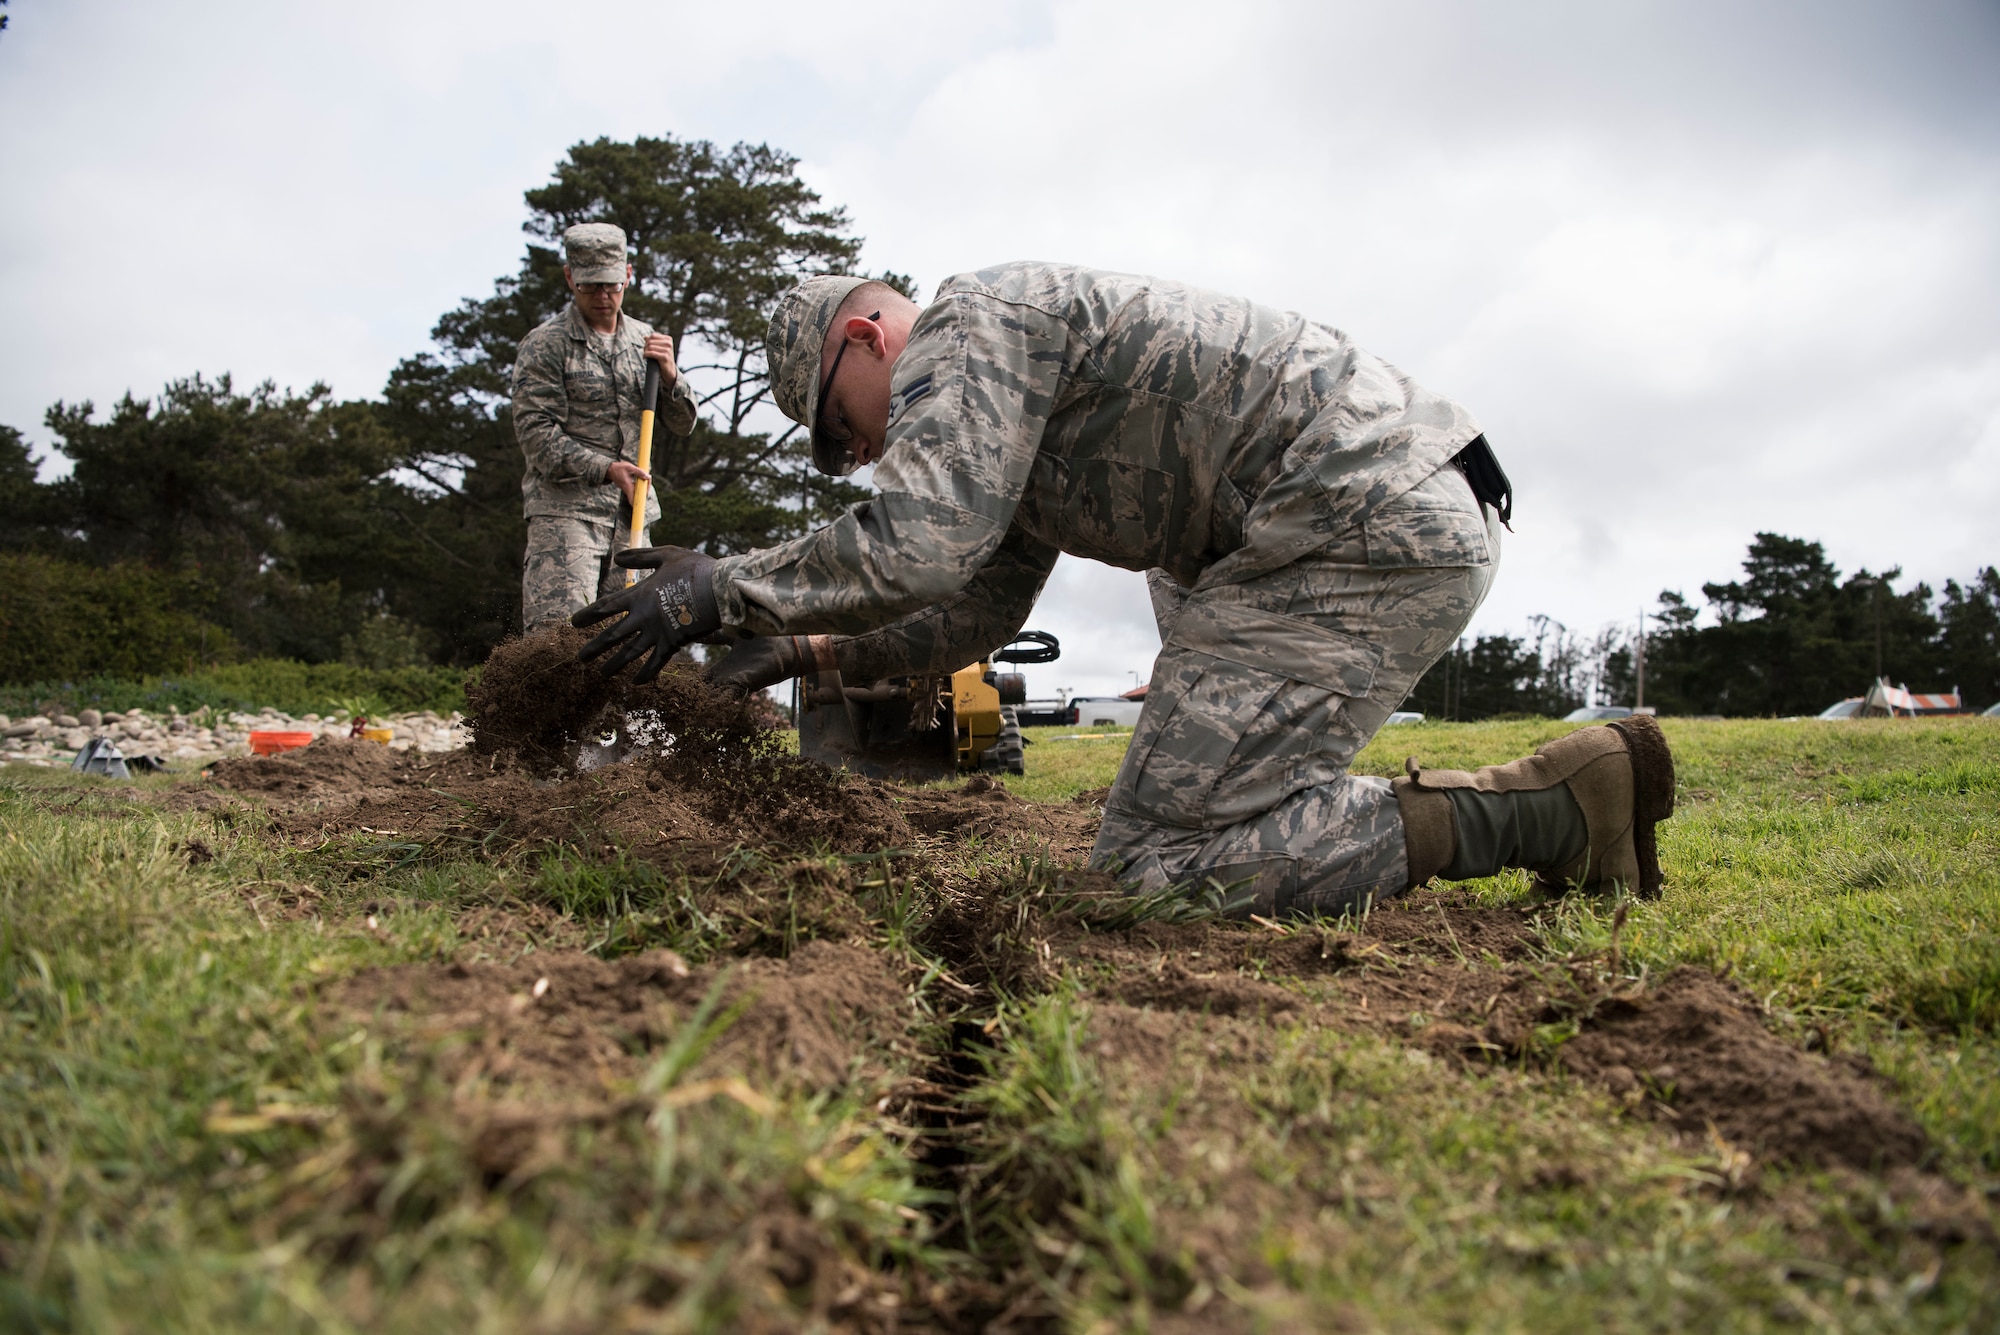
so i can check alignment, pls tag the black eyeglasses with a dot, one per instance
(837, 430)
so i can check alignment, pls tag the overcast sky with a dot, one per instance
(1699, 269)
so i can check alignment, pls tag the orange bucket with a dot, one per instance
(269, 743)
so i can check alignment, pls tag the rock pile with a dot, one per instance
(194, 740)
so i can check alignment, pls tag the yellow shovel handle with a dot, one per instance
(649, 399)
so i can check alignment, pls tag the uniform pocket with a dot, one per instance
(1435, 523)
(1239, 706)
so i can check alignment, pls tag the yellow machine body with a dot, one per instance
(975, 708)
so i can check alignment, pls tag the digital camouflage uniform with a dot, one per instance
(1310, 548)
(576, 411)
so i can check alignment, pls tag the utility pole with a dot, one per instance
(1451, 662)
(1459, 660)
(1878, 629)
(1639, 660)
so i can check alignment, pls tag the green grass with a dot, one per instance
(1062, 762)
(189, 1140)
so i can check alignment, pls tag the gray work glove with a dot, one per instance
(673, 607)
(755, 664)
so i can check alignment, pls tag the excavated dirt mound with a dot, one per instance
(1691, 1050)
(464, 801)
(1696, 1050)
(330, 766)
(564, 1020)
(716, 779)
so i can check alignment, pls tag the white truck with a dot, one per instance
(1104, 711)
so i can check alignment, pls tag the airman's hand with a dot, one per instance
(625, 475)
(754, 664)
(674, 607)
(660, 348)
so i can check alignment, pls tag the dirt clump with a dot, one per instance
(688, 750)
(534, 701)
(564, 1020)
(536, 704)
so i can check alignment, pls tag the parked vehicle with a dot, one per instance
(1847, 708)
(1596, 713)
(1104, 711)
(1403, 716)
(1991, 711)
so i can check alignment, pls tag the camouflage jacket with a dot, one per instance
(576, 410)
(1045, 408)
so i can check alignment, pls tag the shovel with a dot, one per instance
(649, 402)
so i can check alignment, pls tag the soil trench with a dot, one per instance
(1689, 1051)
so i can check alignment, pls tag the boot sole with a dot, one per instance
(1652, 793)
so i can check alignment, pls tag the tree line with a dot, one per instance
(259, 522)
(1792, 636)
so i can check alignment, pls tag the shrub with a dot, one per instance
(61, 620)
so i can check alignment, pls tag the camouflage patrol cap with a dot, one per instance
(595, 253)
(793, 347)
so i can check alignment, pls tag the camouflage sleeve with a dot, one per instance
(541, 414)
(677, 405)
(985, 614)
(970, 398)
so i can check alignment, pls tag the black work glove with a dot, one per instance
(755, 664)
(673, 607)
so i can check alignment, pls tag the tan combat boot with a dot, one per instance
(1620, 776)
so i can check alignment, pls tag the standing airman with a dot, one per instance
(577, 382)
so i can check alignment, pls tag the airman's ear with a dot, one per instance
(859, 328)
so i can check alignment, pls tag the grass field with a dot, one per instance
(222, 1107)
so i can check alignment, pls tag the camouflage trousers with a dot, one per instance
(568, 567)
(1264, 691)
